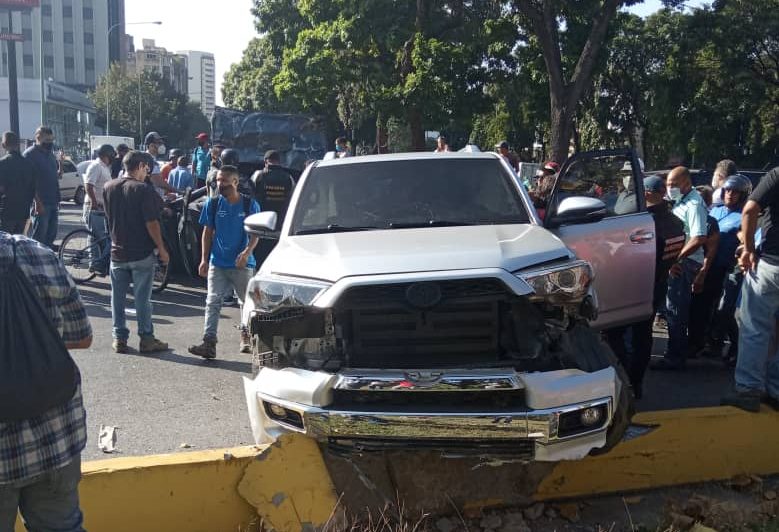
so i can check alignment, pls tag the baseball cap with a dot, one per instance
(202, 136)
(271, 154)
(122, 148)
(654, 183)
(551, 166)
(502, 144)
(152, 136)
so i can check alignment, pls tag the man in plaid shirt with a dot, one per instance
(40, 458)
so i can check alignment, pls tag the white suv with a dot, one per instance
(418, 301)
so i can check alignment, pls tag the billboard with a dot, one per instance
(20, 4)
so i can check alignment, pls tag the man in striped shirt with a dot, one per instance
(40, 458)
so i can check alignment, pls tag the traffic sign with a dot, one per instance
(18, 37)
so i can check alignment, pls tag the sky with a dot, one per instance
(223, 28)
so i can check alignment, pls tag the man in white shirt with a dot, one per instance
(98, 173)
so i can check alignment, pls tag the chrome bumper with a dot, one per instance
(307, 400)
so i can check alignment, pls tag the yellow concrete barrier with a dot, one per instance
(287, 486)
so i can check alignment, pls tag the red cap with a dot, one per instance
(551, 165)
(202, 136)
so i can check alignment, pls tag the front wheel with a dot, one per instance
(78, 197)
(75, 252)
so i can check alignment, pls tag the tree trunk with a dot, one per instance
(561, 131)
(414, 117)
(382, 135)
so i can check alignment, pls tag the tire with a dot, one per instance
(78, 197)
(74, 255)
(585, 350)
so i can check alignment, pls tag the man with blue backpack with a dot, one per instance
(227, 254)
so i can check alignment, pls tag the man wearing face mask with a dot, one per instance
(47, 197)
(155, 147)
(690, 208)
(227, 255)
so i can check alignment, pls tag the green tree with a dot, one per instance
(146, 102)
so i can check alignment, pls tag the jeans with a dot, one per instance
(221, 282)
(725, 324)
(99, 245)
(48, 503)
(141, 274)
(757, 368)
(703, 305)
(678, 311)
(635, 362)
(44, 228)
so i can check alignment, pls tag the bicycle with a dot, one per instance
(75, 252)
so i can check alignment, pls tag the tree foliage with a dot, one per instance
(148, 98)
(682, 85)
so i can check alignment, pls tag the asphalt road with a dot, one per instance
(164, 401)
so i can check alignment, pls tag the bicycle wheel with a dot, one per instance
(74, 254)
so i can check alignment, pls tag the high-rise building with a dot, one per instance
(202, 86)
(75, 41)
(169, 66)
(77, 50)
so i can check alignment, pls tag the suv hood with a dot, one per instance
(331, 257)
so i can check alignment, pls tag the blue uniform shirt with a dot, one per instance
(230, 238)
(729, 225)
(201, 162)
(180, 178)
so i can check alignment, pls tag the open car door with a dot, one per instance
(619, 241)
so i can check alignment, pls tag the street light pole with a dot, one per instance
(108, 91)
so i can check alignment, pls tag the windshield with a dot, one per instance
(407, 194)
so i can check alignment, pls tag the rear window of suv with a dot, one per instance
(402, 194)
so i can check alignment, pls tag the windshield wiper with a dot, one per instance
(429, 223)
(335, 228)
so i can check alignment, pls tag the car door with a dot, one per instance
(621, 246)
(70, 180)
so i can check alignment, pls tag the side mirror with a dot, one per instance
(261, 223)
(579, 210)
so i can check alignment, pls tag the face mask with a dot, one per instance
(338, 148)
(161, 149)
(675, 193)
(627, 181)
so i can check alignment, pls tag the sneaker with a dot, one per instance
(149, 344)
(773, 402)
(246, 341)
(206, 350)
(229, 301)
(119, 346)
(749, 400)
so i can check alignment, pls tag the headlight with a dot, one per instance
(270, 293)
(569, 282)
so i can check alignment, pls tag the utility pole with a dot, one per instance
(13, 84)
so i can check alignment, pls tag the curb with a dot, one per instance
(288, 486)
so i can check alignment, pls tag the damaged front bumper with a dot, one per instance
(544, 416)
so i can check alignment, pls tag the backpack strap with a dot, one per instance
(247, 205)
(213, 205)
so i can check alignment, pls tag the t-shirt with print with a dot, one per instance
(230, 238)
(97, 175)
(691, 210)
(766, 194)
(129, 205)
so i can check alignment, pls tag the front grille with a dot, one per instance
(522, 449)
(395, 294)
(391, 327)
(429, 401)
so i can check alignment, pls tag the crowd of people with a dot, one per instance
(713, 264)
